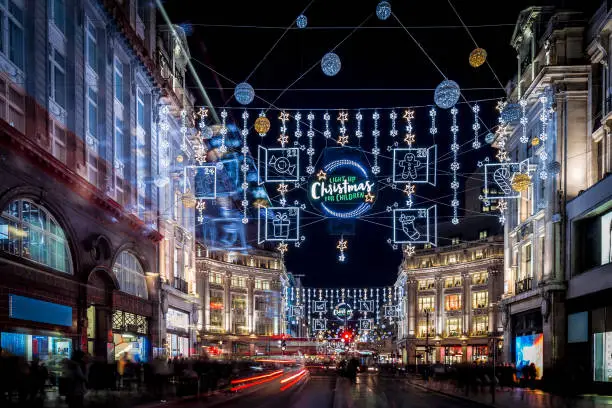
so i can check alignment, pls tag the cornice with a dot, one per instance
(207, 263)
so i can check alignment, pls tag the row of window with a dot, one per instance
(238, 281)
(478, 278)
(453, 327)
(452, 302)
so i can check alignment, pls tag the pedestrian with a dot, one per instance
(121, 367)
(77, 380)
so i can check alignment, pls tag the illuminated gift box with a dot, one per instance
(281, 224)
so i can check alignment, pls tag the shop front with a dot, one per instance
(528, 341)
(177, 333)
(131, 336)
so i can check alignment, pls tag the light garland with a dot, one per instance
(283, 138)
(377, 305)
(433, 130)
(343, 138)
(245, 166)
(501, 136)
(410, 137)
(342, 246)
(184, 146)
(544, 118)
(310, 151)
(298, 131)
(326, 132)
(164, 145)
(454, 167)
(476, 127)
(393, 132)
(359, 118)
(523, 103)
(375, 149)
(223, 131)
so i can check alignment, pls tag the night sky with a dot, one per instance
(380, 54)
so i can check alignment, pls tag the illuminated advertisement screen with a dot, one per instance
(606, 241)
(530, 349)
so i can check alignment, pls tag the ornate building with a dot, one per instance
(241, 292)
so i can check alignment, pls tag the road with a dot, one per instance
(370, 391)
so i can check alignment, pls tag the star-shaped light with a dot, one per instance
(342, 140)
(410, 138)
(369, 198)
(321, 175)
(341, 257)
(342, 244)
(408, 114)
(409, 250)
(282, 188)
(203, 112)
(409, 189)
(343, 116)
(502, 205)
(283, 140)
(283, 116)
(282, 248)
(502, 156)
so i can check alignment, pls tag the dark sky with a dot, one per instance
(379, 55)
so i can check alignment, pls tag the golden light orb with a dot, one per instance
(179, 158)
(478, 57)
(535, 141)
(262, 125)
(189, 200)
(521, 182)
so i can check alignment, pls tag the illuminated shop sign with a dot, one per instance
(343, 311)
(342, 188)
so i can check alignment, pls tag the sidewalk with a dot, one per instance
(518, 398)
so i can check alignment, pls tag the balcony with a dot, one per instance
(180, 284)
(523, 285)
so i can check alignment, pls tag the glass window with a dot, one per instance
(177, 319)
(427, 284)
(261, 284)
(239, 281)
(480, 300)
(480, 278)
(130, 275)
(119, 147)
(452, 282)
(11, 23)
(91, 45)
(453, 327)
(58, 78)
(92, 112)
(423, 327)
(239, 314)
(58, 14)
(49, 350)
(29, 231)
(215, 278)
(455, 240)
(118, 80)
(483, 234)
(140, 109)
(452, 302)
(216, 309)
(426, 303)
(481, 325)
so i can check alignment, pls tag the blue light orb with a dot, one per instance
(244, 93)
(554, 167)
(330, 64)
(383, 10)
(511, 113)
(447, 94)
(207, 132)
(301, 21)
(489, 138)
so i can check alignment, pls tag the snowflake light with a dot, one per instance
(244, 93)
(454, 167)
(447, 94)
(245, 167)
(310, 151)
(330, 64)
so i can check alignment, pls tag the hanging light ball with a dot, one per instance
(179, 158)
(262, 125)
(244, 93)
(447, 94)
(189, 200)
(330, 64)
(535, 141)
(206, 132)
(520, 182)
(511, 113)
(383, 10)
(489, 138)
(554, 167)
(478, 57)
(301, 21)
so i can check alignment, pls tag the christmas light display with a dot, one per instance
(244, 93)
(478, 57)
(301, 21)
(283, 138)
(383, 10)
(310, 151)
(330, 64)
(454, 167)
(476, 127)
(343, 138)
(523, 104)
(447, 94)
(262, 124)
(223, 132)
(342, 246)
(244, 167)
(298, 132)
(375, 149)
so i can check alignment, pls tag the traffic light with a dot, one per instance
(283, 345)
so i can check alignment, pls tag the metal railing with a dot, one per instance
(523, 285)
(180, 284)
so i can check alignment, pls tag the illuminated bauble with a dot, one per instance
(179, 158)
(244, 93)
(478, 57)
(490, 138)
(383, 10)
(330, 64)
(447, 94)
(262, 125)
(535, 141)
(161, 181)
(207, 132)
(301, 21)
(189, 200)
(520, 182)
(554, 167)
(511, 113)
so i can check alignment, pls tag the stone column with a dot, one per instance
(439, 315)
(466, 280)
(412, 305)
(250, 304)
(227, 302)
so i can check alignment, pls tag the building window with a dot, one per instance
(452, 282)
(453, 327)
(261, 284)
(427, 246)
(92, 112)
(526, 270)
(427, 284)
(119, 148)
(215, 278)
(452, 259)
(480, 278)
(12, 105)
(11, 34)
(91, 45)
(118, 80)
(426, 303)
(58, 137)
(452, 302)
(483, 234)
(58, 14)
(239, 314)
(599, 151)
(140, 108)
(423, 328)
(455, 240)
(481, 325)
(480, 300)
(58, 77)
(238, 281)
(216, 309)
(130, 275)
(29, 231)
(478, 254)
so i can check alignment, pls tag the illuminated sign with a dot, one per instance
(342, 188)
(343, 311)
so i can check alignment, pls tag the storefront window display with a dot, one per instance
(135, 346)
(177, 339)
(530, 349)
(178, 346)
(239, 314)
(602, 357)
(216, 310)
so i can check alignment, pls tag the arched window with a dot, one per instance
(29, 231)
(130, 275)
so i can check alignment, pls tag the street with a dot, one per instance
(370, 391)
